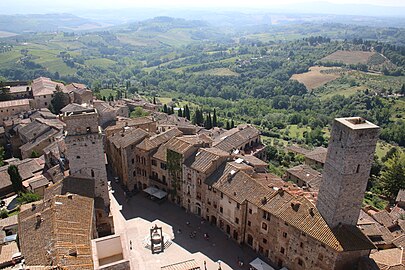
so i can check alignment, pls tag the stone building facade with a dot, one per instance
(347, 169)
(85, 151)
(86, 159)
(122, 155)
(13, 107)
(221, 180)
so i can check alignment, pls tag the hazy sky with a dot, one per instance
(99, 4)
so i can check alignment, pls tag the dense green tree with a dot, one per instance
(34, 154)
(180, 113)
(232, 124)
(187, 112)
(28, 197)
(271, 152)
(59, 101)
(393, 175)
(208, 121)
(138, 112)
(15, 178)
(214, 119)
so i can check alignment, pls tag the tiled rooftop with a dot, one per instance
(57, 232)
(235, 137)
(204, 158)
(318, 154)
(310, 176)
(295, 210)
(45, 86)
(128, 137)
(14, 103)
(156, 140)
(130, 123)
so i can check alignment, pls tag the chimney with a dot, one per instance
(39, 220)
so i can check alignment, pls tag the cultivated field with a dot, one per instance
(218, 72)
(349, 57)
(317, 76)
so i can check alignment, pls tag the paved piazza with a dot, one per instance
(133, 220)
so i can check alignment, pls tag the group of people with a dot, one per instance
(193, 234)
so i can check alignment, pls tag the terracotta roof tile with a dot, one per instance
(14, 103)
(297, 211)
(318, 154)
(384, 218)
(161, 153)
(311, 177)
(391, 258)
(183, 144)
(205, 158)
(297, 149)
(128, 137)
(235, 137)
(399, 241)
(7, 251)
(156, 140)
(57, 232)
(130, 123)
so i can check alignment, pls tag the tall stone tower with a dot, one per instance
(346, 171)
(84, 149)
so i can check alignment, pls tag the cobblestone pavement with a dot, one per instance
(134, 217)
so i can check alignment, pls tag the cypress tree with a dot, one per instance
(198, 117)
(195, 117)
(208, 121)
(214, 119)
(232, 124)
(201, 118)
(180, 113)
(15, 178)
(165, 108)
(187, 112)
(228, 126)
(154, 100)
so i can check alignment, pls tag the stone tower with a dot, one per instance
(84, 149)
(346, 171)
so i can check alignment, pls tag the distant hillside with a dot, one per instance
(45, 23)
(167, 31)
(373, 60)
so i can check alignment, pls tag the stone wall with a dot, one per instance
(346, 172)
(81, 123)
(284, 244)
(86, 158)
